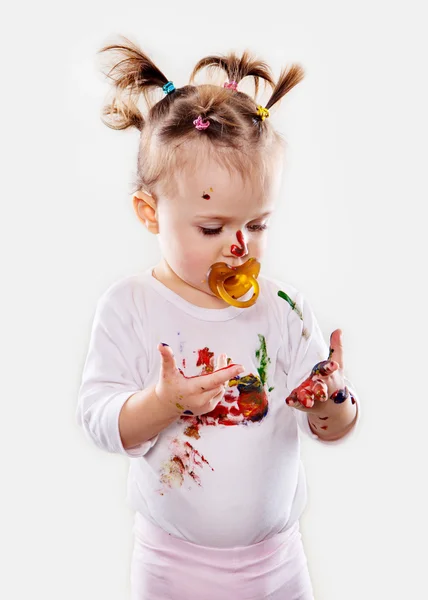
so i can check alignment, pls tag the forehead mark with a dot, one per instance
(205, 195)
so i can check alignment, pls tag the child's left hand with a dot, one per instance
(325, 381)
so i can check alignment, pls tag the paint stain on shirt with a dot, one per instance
(244, 401)
(295, 307)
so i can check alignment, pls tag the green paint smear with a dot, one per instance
(270, 389)
(290, 302)
(261, 354)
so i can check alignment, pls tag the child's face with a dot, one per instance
(199, 224)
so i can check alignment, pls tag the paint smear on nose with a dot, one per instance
(236, 250)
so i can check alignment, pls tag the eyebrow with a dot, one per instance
(228, 219)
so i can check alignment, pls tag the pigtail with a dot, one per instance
(288, 78)
(133, 73)
(176, 128)
(237, 68)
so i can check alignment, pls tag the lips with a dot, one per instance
(230, 283)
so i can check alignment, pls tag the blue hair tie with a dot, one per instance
(168, 87)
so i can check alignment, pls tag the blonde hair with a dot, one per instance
(238, 138)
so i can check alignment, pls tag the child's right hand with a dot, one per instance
(199, 394)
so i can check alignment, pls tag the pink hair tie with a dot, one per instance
(232, 85)
(199, 123)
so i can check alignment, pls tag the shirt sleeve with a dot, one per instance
(307, 347)
(110, 376)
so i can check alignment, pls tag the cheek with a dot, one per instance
(176, 237)
(192, 251)
(192, 245)
(257, 245)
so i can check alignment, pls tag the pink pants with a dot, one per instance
(164, 567)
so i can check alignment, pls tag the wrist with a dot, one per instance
(167, 405)
(142, 417)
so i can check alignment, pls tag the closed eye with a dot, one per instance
(257, 227)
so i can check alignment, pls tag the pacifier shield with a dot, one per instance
(230, 283)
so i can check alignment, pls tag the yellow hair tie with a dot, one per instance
(262, 112)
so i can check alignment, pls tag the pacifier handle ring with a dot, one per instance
(238, 303)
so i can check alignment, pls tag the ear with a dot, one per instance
(145, 209)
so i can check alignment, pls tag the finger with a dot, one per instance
(299, 406)
(324, 369)
(221, 362)
(217, 363)
(336, 348)
(305, 397)
(219, 377)
(320, 391)
(217, 394)
(292, 403)
(167, 358)
(291, 400)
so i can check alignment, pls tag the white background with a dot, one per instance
(350, 233)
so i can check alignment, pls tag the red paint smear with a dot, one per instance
(240, 237)
(252, 406)
(192, 449)
(204, 373)
(184, 362)
(191, 456)
(236, 250)
(204, 357)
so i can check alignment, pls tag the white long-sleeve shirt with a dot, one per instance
(232, 477)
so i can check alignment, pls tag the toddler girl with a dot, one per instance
(200, 369)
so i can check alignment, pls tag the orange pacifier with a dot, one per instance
(230, 283)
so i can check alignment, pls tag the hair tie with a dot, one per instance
(262, 112)
(168, 87)
(199, 123)
(232, 85)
